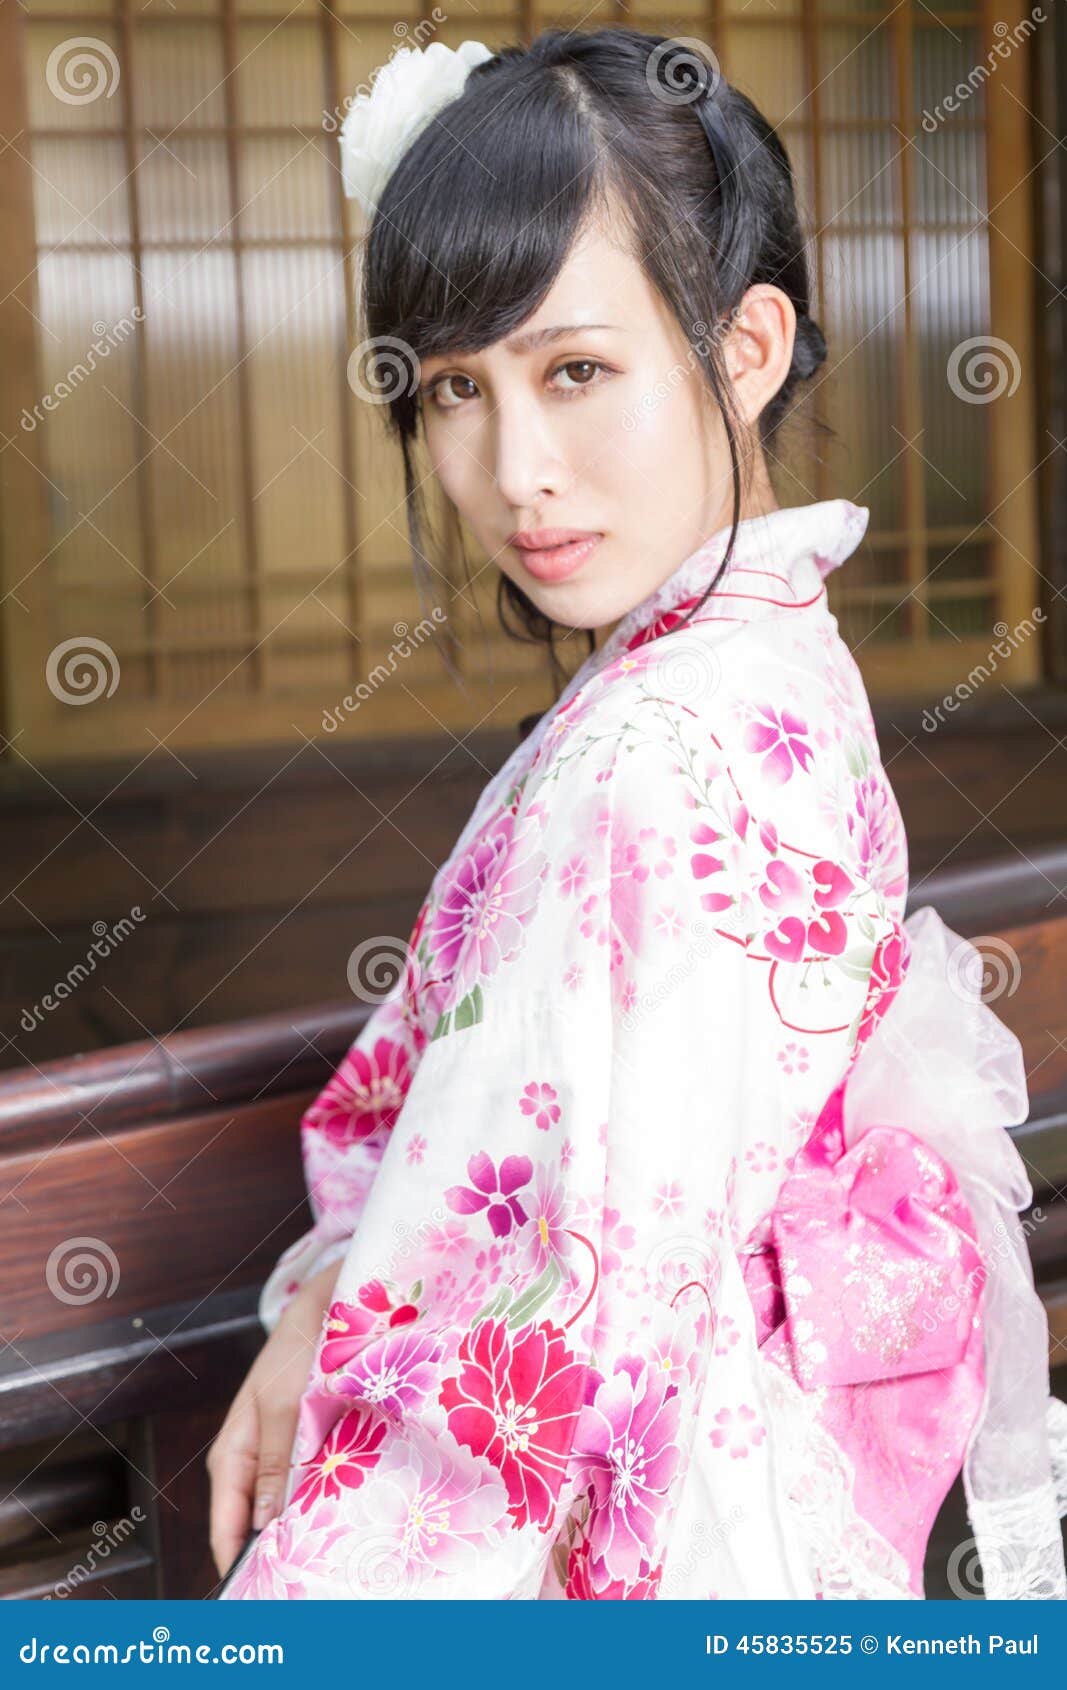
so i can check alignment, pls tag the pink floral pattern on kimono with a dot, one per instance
(618, 1317)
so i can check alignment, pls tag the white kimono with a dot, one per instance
(631, 1305)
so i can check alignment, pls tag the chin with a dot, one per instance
(579, 604)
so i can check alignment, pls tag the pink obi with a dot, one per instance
(867, 1273)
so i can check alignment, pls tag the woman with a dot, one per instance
(616, 1289)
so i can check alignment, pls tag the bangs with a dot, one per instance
(477, 219)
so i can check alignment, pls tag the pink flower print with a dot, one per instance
(702, 862)
(486, 904)
(727, 1333)
(573, 976)
(349, 1325)
(888, 968)
(440, 1509)
(366, 1092)
(416, 1148)
(586, 1581)
(737, 1431)
(626, 1449)
(614, 1239)
(540, 1101)
(833, 885)
(489, 1261)
(446, 1238)
(713, 1222)
(669, 1354)
(784, 889)
(669, 1198)
(793, 1058)
(347, 1328)
(648, 854)
(373, 1295)
(782, 739)
(573, 876)
(566, 1155)
(515, 1401)
(668, 922)
(492, 1191)
(874, 825)
(782, 892)
(290, 1544)
(705, 863)
(351, 1450)
(545, 1237)
(594, 922)
(762, 1157)
(395, 1372)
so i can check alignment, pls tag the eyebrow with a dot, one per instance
(532, 339)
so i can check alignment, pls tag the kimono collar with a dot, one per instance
(780, 562)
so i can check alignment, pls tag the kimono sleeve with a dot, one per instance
(651, 995)
(342, 1135)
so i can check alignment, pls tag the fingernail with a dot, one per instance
(264, 1507)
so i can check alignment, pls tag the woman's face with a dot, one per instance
(594, 419)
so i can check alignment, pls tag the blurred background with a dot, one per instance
(209, 860)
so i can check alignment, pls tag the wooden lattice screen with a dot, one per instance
(214, 506)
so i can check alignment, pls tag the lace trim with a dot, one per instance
(848, 1560)
(1056, 1420)
(1018, 1544)
(1018, 1538)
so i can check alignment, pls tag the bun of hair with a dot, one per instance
(809, 348)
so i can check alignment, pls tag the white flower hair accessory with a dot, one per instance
(406, 93)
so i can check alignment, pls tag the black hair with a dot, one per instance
(482, 209)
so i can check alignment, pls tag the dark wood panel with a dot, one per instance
(178, 1358)
(171, 973)
(128, 1220)
(251, 885)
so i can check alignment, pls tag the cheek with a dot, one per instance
(453, 465)
(664, 441)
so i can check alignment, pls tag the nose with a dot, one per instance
(527, 458)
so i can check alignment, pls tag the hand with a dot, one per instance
(250, 1456)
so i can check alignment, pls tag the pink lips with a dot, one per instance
(551, 554)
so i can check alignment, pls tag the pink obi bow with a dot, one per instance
(868, 1266)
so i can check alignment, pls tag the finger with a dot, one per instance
(233, 1477)
(277, 1430)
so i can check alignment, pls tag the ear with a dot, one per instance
(759, 348)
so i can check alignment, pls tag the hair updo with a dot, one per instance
(483, 208)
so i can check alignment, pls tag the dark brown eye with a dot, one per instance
(438, 387)
(574, 364)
